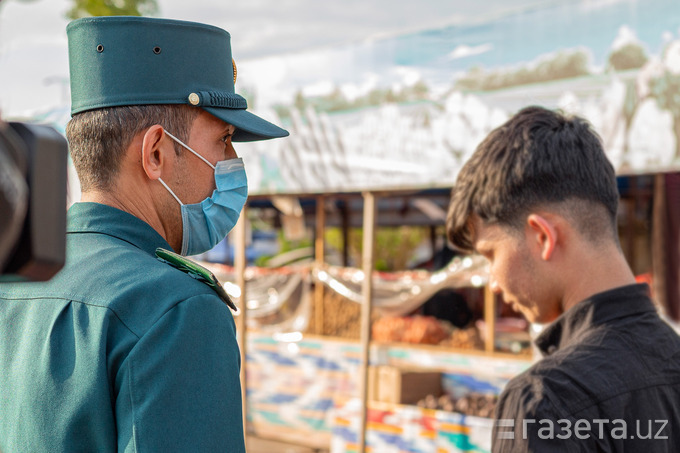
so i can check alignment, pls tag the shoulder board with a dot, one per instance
(196, 271)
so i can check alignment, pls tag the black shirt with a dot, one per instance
(609, 382)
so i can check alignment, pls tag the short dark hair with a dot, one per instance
(538, 157)
(99, 138)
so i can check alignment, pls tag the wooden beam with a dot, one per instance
(368, 260)
(240, 269)
(489, 319)
(631, 222)
(319, 260)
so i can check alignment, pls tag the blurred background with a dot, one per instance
(391, 98)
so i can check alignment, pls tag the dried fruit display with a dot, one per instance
(414, 329)
(342, 318)
(476, 404)
(468, 338)
(425, 330)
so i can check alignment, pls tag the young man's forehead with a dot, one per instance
(482, 231)
(478, 228)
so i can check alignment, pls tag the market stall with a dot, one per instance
(393, 163)
(311, 379)
(304, 369)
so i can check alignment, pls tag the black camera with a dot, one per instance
(33, 168)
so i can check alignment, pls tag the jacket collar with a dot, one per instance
(601, 308)
(104, 219)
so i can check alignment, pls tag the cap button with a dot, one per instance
(194, 99)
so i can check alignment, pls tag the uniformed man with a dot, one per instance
(123, 351)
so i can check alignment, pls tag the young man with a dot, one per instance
(539, 199)
(122, 351)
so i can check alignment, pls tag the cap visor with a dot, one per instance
(249, 127)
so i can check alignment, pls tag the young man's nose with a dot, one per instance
(493, 284)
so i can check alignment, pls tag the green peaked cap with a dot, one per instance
(125, 60)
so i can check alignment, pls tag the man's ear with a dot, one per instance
(154, 156)
(544, 233)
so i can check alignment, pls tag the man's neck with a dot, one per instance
(603, 272)
(131, 205)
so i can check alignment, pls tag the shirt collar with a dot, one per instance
(599, 309)
(104, 219)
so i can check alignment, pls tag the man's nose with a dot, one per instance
(230, 151)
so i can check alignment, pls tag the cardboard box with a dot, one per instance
(402, 386)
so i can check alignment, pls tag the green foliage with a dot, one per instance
(288, 245)
(563, 65)
(630, 56)
(261, 261)
(87, 8)
(333, 239)
(666, 91)
(336, 101)
(285, 245)
(394, 246)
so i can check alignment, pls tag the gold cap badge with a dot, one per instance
(233, 63)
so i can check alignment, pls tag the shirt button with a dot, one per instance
(551, 349)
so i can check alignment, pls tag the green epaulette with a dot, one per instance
(196, 271)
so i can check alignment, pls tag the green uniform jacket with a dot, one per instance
(118, 352)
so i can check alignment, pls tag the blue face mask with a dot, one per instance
(206, 223)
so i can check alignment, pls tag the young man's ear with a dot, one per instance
(154, 155)
(544, 232)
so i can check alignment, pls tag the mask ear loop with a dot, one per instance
(163, 182)
(184, 145)
(171, 192)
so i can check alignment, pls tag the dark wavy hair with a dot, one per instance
(537, 158)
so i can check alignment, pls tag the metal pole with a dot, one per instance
(319, 258)
(367, 265)
(240, 269)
